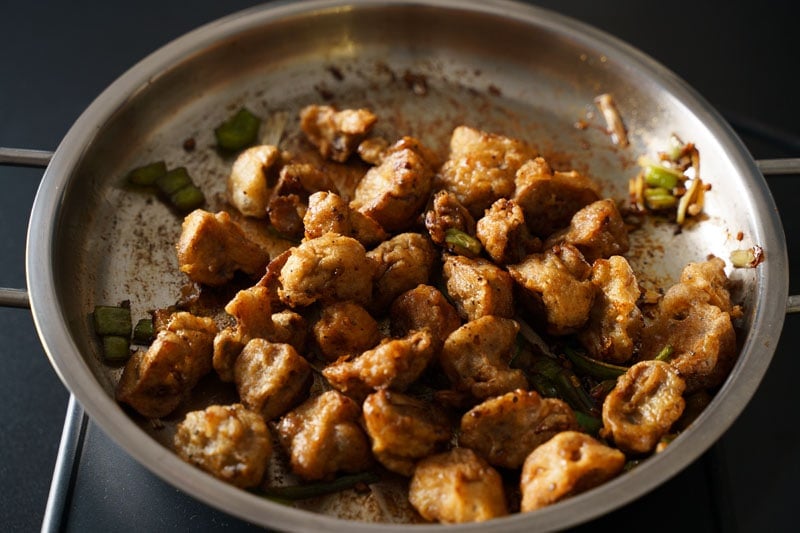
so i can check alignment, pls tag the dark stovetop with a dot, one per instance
(57, 56)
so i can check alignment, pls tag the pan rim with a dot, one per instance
(51, 324)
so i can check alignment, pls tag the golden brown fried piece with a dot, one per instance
(457, 486)
(644, 404)
(403, 429)
(505, 429)
(566, 465)
(271, 378)
(212, 248)
(476, 357)
(154, 382)
(481, 167)
(323, 436)
(228, 441)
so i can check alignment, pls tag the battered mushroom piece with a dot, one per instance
(615, 322)
(252, 177)
(424, 308)
(271, 378)
(290, 328)
(476, 357)
(597, 230)
(700, 335)
(228, 441)
(251, 309)
(345, 328)
(457, 486)
(550, 199)
(328, 268)
(288, 202)
(642, 407)
(154, 382)
(395, 192)
(212, 248)
(329, 212)
(403, 429)
(504, 234)
(709, 277)
(505, 429)
(336, 133)
(372, 150)
(557, 288)
(402, 263)
(481, 167)
(323, 436)
(478, 287)
(393, 364)
(447, 213)
(568, 464)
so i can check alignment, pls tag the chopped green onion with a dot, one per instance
(665, 353)
(588, 423)
(147, 174)
(314, 490)
(173, 181)
(543, 386)
(593, 367)
(659, 198)
(112, 320)
(188, 198)
(143, 332)
(462, 242)
(116, 348)
(239, 131)
(662, 177)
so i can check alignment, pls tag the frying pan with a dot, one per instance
(505, 67)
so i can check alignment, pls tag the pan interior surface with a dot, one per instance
(423, 69)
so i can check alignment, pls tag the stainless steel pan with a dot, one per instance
(424, 67)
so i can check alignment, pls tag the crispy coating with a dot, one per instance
(457, 486)
(597, 230)
(476, 357)
(212, 248)
(402, 263)
(394, 192)
(557, 288)
(568, 464)
(251, 309)
(252, 177)
(328, 268)
(446, 213)
(424, 308)
(329, 212)
(345, 328)
(505, 429)
(271, 378)
(643, 405)
(700, 334)
(550, 199)
(393, 364)
(709, 276)
(403, 429)
(478, 287)
(288, 202)
(615, 322)
(504, 234)
(481, 167)
(323, 436)
(228, 441)
(289, 328)
(335, 133)
(154, 382)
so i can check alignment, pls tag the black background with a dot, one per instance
(55, 57)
